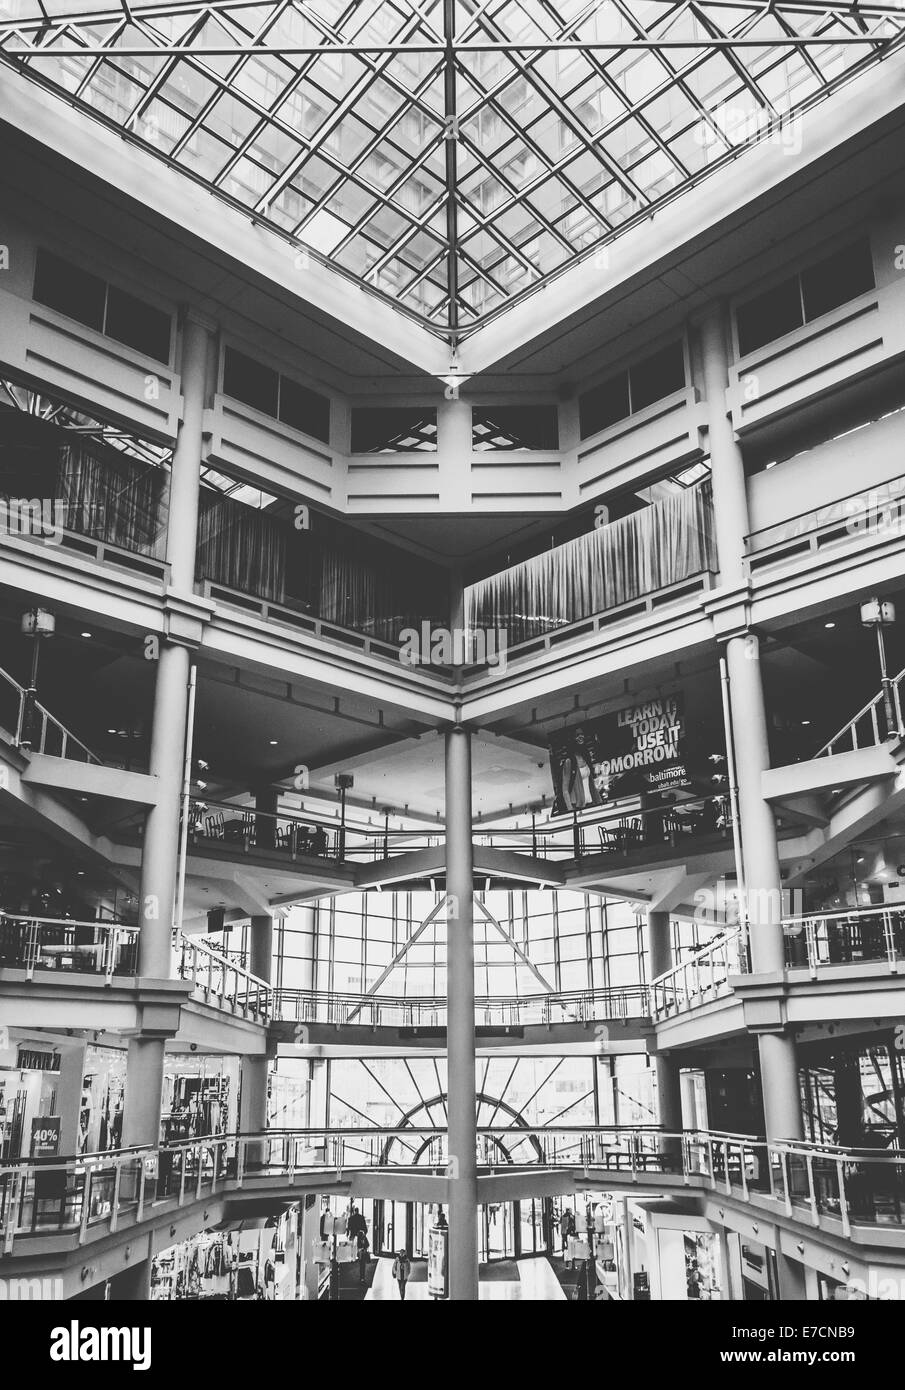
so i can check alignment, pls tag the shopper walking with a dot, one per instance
(566, 1227)
(402, 1269)
(363, 1248)
(356, 1224)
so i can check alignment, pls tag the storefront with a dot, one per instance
(257, 1260)
(200, 1096)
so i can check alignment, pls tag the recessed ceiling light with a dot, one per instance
(805, 723)
(273, 743)
(87, 634)
(829, 625)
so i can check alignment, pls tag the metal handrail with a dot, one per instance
(93, 1191)
(328, 1006)
(31, 951)
(222, 980)
(698, 973)
(48, 720)
(813, 931)
(873, 708)
(827, 515)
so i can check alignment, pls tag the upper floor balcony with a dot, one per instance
(838, 965)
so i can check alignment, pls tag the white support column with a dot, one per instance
(261, 953)
(463, 1177)
(160, 846)
(730, 493)
(659, 943)
(143, 1091)
(185, 480)
(760, 850)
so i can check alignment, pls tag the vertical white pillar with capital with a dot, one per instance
(160, 844)
(760, 849)
(666, 1065)
(461, 1101)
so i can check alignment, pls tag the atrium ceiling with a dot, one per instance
(450, 156)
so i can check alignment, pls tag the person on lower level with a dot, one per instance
(402, 1269)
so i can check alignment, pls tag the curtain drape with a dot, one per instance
(241, 548)
(650, 549)
(112, 498)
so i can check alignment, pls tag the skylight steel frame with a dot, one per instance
(404, 214)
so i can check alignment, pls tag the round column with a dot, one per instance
(461, 1101)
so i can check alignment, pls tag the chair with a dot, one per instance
(609, 840)
(214, 826)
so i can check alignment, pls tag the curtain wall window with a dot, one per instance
(328, 571)
(241, 548)
(648, 550)
(112, 498)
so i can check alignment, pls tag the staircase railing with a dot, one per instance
(701, 977)
(48, 734)
(220, 981)
(864, 730)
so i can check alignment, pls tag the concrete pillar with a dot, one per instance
(266, 802)
(463, 1179)
(760, 849)
(780, 1085)
(261, 954)
(143, 1091)
(69, 1096)
(792, 1279)
(160, 846)
(659, 943)
(763, 880)
(185, 477)
(132, 1285)
(253, 1106)
(669, 1093)
(310, 1237)
(730, 493)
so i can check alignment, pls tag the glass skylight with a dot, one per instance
(451, 156)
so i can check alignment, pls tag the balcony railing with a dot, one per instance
(221, 982)
(620, 828)
(33, 726)
(43, 944)
(828, 939)
(583, 1006)
(299, 837)
(701, 978)
(95, 1195)
(813, 531)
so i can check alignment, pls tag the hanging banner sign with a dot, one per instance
(641, 748)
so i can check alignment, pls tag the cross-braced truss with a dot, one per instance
(451, 155)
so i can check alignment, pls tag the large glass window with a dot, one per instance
(90, 300)
(527, 943)
(631, 390)
(264, 389)
(833, 281)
